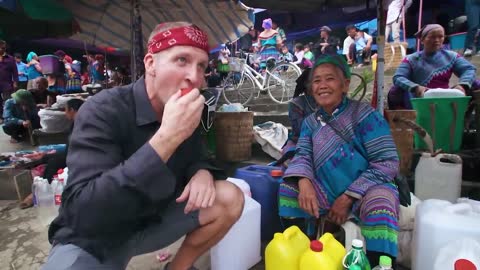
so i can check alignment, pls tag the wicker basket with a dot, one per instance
(403, 137)
(234, 135)
(236, 64)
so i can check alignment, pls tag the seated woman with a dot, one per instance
(345, 163)
(20, 114)
(431, 68)
(43, 98)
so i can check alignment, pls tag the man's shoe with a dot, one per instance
(467, 53)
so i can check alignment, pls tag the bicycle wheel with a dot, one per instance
(281, 84)
(238, 88)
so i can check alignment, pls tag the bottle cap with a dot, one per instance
(357, 243)
(316, 246)
(276, 173)
(385, 261)
(354, 267)
(463, 264)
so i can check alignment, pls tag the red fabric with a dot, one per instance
(68, 59)
(187, 36)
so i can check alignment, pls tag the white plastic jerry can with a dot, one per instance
(240, 247)
(438, 177)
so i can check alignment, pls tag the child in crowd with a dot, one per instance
(285, 56)
(308, 53)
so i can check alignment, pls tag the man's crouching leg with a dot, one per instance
(215, 222)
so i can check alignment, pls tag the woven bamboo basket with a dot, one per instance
(234, 135)
(403, 137)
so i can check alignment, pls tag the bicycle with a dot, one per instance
(279, 81)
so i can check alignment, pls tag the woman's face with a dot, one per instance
(434, 40)
(328, 86)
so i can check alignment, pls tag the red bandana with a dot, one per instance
(187, 36)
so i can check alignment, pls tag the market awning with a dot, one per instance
(45, 10)
(302, 5)
(107, 22)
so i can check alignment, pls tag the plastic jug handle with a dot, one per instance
(290, 232)
(454, 159)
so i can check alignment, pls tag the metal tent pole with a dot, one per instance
(136, 38)
(420, 14)
(380, 55)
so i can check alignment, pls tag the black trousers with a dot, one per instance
(16, 131)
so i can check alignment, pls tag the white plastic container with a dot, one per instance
(465, 248)
(242, 184)
(240, 248)
(439, 223)
(438, 177)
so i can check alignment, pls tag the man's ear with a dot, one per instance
(149, 62)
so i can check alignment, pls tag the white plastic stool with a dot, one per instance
(351, 229)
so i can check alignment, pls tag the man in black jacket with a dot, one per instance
(327, 44)
(139, 178)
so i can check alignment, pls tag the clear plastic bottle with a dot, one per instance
(46, 203)
(36, 180)
(385, 263)
(58, 194)
(356, 256)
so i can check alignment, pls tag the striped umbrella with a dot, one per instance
(107, 22)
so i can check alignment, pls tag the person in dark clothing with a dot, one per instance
(58, 160)
(139, 176)
(246, 41)
(8, 76)
(327, 44)
(20, 113)
(41, 95)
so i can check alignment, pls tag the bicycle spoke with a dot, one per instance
(282, 82)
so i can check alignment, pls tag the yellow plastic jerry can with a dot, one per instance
(334, 249)
(285, 249)
(316, 257)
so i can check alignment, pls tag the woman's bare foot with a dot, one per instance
(27, 202)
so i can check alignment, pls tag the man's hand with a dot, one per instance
(181, 116)
(26, 123)
(200, 192)
(340, 209)
(307, 198)
(15, 85)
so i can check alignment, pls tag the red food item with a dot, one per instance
(185, 91)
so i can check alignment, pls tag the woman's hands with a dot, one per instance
(340, 209)
(307, 198)
(420, 91)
